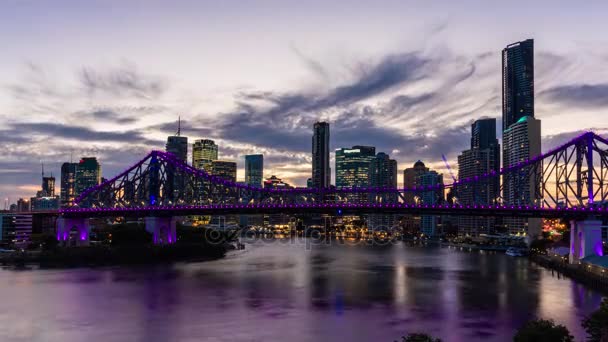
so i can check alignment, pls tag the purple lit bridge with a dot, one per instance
(568, 182)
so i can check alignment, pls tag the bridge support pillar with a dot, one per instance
(585, 239)
(64, 226)
(163, 229)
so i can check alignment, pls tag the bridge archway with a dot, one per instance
(73, 231)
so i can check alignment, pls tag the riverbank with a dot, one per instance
(94, 256)
(576, 272)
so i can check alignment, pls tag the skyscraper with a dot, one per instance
(254, 170)
(482, 158)
(68, 183)
(517, 82)
(521, 132)
(321, 172)
(352, 166)
(48, 186)
(178, 145)
(382, 173)
(88, 174)
(204, 151)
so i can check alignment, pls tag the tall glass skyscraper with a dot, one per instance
(321, 172)
(521, 132)
(382, 173)
(254, 170)
(517, 82)
(204, 151)
(352, 165)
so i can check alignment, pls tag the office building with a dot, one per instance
(254, 170)
(204, 152)
(321, 172)
(68, 184)
(352, 166)
(411, 177)
(224, 169)
(88, 174)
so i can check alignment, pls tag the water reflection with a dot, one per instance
(282, 290)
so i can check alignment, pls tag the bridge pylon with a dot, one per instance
(163, 229)
(585, 239)
(65, 226)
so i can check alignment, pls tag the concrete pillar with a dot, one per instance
(585, 239)
(82, 226)
(163, 229)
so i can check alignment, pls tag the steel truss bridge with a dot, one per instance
(569, 181)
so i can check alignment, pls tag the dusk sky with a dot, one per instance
(110, 78)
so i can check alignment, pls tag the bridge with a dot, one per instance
(569, 182)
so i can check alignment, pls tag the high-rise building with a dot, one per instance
(521, 132)
(517, 82)
(382, 173)
(88, 174)
(178, 145)
(254, 170)
(68, 183)
(224, 169)
(522, 141)
(321, 172)
(428, 223)
(204, 151)
(352, 166)
(482, 158)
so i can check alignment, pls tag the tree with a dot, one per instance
(596, 324)
(543, 331)
(418, 337)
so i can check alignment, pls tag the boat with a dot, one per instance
(515, 252)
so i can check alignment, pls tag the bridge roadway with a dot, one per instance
(339, 209)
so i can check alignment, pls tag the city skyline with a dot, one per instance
(410, 99)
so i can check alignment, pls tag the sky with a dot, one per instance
(110, 78)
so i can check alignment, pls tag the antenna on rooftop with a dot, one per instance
(179, 125)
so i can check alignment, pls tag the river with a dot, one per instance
(294, 291)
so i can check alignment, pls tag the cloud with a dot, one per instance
(62, 131)
(578, 95)
(121, 81)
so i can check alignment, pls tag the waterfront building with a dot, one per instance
(321, 172)
(15, 230)
(254, 170)
(411, 178)
(522, 141)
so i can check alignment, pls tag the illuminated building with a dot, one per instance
(352, 166)
(68, 184)
(204, 151)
